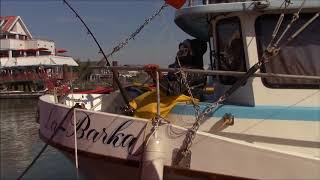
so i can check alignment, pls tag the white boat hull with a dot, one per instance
(109, 136)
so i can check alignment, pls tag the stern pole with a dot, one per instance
(153, 156)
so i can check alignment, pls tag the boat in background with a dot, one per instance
(267, 129)
(29, 67)
(97, 90)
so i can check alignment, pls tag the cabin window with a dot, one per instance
(230, 50)
(299, 57)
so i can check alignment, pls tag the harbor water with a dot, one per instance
(20, 143)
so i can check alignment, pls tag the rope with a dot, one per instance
(46, 145)
(125, 96)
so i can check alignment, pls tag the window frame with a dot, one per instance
(218, 46)
(265, 81)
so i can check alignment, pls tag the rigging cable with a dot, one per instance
(285, 3)
(47, 143)
(209, 41)
(117, 48)
(115, 75)
(137, 31)
(295, 17)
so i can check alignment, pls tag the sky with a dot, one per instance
(111, 21)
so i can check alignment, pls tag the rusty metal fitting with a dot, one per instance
(228, 119)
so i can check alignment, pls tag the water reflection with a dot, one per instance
(20, 143)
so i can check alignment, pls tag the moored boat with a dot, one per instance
(263, 127)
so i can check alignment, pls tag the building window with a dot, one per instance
(3, 36)
(31, 53)
(11, 36)
(21, 37)
(230, 48)
(44, 53)
(17, 53)
(299, 57)
(4, 54)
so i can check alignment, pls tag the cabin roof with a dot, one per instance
(194, 20)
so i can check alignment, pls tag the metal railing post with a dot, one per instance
(158, 99)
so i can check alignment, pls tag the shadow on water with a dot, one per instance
(20, 143)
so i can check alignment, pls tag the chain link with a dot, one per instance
(185, 82)
(187, 143)
(137, 31)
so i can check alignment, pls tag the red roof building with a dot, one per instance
(13, 25)
(19, 49)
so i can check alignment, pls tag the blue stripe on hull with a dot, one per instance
(257, 112)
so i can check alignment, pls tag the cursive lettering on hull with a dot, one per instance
(119, 133)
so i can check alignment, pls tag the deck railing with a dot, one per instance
(204, 2)
(216, 72)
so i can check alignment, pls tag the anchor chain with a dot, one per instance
(132, 36)
(185, 82)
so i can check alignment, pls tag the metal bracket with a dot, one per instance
(261, 4)
(228, 119)
(127, 110)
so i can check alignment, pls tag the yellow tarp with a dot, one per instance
(145, 105)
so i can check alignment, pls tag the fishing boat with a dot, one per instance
(258, 126)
